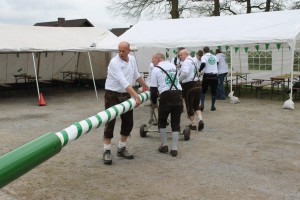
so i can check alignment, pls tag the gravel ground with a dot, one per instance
(246, 151)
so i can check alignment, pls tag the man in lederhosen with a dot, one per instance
(191, 89)
(165, 82)
(121, 75)
(209, 66)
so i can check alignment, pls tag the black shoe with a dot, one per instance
(213, 108)
(122, 152)
(107, 157)
(174, 153)
(200, 125)
(192, 127)
(201, 108)
(163, 149)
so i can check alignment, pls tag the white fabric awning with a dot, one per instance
(263, 27)
(19, 38)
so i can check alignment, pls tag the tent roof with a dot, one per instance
(266, 27)
(19, 38)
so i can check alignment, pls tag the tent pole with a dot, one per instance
(231, 60)
(93, 75)
(292, 69)
(282, 59)
(36, 78)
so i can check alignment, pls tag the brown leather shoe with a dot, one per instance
(163, 149)
(174, 153)
(200, 125)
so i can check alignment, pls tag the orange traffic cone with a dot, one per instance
(42, 100)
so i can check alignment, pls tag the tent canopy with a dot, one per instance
(263, 27)
(19, 38)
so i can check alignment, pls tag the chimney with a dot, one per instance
(60, 21)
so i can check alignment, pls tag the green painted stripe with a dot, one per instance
(89, 122)
(79, 129)
(143, 98)
(66, 137)
(99, 120)
(123, 107)
(147, 94)
(108, 115)
(130, 104)
(116, 110)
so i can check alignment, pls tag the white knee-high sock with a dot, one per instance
(122, 144)
(199, 117)
(175, 138)
(107, 147)
(163, 136)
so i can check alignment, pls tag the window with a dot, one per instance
(297, 61)
(260, 60)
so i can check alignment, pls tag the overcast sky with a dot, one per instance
(29, 12)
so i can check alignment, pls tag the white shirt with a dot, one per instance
(210, 63)
(151, 66)
(177, 61)
(189, 68)
(222, 65)
(160, 80)
(121, 74)
(197, 61)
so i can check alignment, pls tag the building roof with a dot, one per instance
(119, 31)
(61, 22)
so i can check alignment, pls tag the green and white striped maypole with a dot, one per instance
(21, 160)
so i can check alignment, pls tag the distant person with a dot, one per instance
(222, 73)
(176, 60)
(121, 75)
(209, 66)
(197, 58)
(165, 81)
(191, 89)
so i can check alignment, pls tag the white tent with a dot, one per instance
(263, 27)
(59, 50)
(234, 31)
(16, 38)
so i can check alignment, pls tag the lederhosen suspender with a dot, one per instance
(196, 71)
(172, 81)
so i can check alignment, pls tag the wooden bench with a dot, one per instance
(240, 84)
(260, 86)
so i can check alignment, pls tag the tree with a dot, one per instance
(133, 10)
(296, 5)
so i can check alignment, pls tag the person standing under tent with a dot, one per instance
(222, 73)
(165, 81)
(176, 60)
(209, 66)
(122, 73)
(191, 89)
(197, 58)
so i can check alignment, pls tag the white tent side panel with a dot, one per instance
(52, 64)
